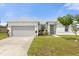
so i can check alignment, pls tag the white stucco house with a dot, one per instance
(31, 28)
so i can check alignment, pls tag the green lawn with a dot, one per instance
(3, 35)
(54, 46)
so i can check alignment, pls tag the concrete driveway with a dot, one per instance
(15, 46)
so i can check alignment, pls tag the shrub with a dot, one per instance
(40, 32)
(45, 32)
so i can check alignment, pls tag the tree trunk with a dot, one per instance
(76, 37)
(66, 28)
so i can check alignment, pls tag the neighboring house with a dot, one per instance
(3, 28)
(31, 28)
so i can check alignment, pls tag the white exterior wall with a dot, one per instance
(9, 28)
(24, 23)
(60, 30)
(48, 29)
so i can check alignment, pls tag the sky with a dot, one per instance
(38, 11)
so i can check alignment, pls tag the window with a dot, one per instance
(51, 26)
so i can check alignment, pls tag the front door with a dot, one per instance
(52, 29)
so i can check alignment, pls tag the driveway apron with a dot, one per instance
(15, 46)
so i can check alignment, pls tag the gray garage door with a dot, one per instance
(23, 30)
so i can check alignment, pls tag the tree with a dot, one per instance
(74, 29)
(77, 18)
(66, 20)
(74, 25)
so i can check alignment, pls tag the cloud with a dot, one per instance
(2, 5)
(72, 6)
(4, 24)
(8, 15)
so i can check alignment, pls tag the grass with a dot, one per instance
(54, 46)
(69, 37)
(3, 35)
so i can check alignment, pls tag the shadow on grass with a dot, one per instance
(69, 38)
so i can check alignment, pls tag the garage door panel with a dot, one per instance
(20, 33)
(23, 31)
(23, 27)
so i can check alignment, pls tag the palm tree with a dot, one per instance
(66, 20)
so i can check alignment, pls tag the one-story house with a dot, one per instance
(31, 28)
